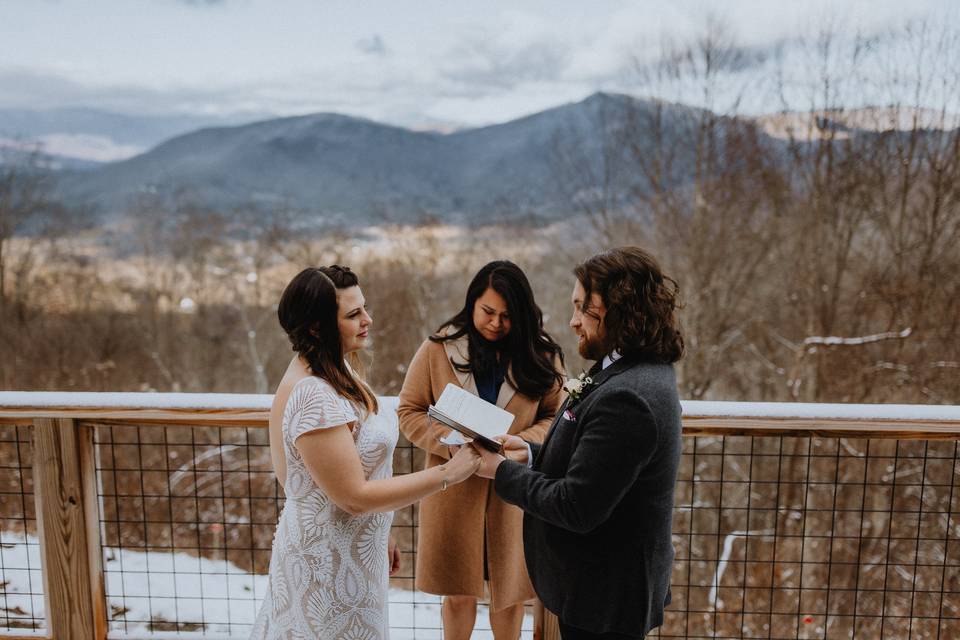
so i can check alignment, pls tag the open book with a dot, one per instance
(471, 416)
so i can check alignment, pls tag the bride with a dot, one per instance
(333, 454)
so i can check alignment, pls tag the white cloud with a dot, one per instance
(374, 45)
(486, 66)
(406, 64)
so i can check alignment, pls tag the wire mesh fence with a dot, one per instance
(775, 537)
(21, 576)
(188, 517)
(816, 538)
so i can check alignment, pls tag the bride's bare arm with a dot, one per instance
(331, 457)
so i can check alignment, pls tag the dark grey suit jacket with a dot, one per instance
(598, 502)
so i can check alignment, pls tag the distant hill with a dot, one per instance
(338, 169)
(342, 168)
(83, 135)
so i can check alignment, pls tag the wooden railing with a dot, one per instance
(65, 476)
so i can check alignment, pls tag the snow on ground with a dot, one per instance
(21, 580)
(216, 595)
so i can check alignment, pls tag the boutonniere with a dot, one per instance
(576, 386)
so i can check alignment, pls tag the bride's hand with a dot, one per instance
(462, 465)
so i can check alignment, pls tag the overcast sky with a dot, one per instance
(405, 62)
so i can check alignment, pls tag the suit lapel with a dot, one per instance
(553, 426)
(599, 376)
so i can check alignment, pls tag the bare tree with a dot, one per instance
(873, 217)
(26, 186)
(710, 201)
(593, 167)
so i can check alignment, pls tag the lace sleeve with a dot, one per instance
(313, 405)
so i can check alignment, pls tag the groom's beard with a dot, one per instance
(592, 348)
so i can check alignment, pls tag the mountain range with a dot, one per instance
(341, 169)
(86, 137)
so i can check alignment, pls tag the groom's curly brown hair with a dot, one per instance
(641, 302)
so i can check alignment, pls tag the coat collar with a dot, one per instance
(459, 351)
(599, 376)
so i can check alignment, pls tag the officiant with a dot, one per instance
(496, 348)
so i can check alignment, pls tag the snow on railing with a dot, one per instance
(82, 404)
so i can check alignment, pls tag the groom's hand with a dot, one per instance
(514, 448)
(489, 461)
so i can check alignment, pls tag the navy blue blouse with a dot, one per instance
(489, 382)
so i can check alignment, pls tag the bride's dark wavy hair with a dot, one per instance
(641, 302)
(527, 348)
(308, 313)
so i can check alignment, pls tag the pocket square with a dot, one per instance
(569, 415)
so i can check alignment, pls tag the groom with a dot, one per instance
(598, 493)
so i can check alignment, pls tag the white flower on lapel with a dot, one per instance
(575, 386)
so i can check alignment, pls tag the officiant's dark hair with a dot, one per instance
(641, 302)
(529, 350)
(308, 313)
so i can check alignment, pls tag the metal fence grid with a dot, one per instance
(21, 576)
(775, 537)
(816, 538)
(188, 516)
(187, 520)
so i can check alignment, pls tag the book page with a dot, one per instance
(454, 439)
(476, 413)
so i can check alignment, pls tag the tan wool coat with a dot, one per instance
(450, 542)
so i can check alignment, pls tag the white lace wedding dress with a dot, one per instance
(329, 569)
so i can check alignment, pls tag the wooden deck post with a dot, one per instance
(64, 477)
(537, 620)
(545, 623)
